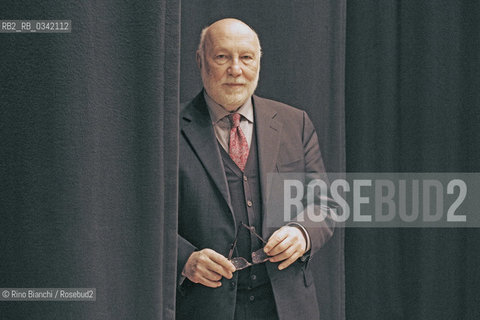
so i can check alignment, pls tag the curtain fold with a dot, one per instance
(89, 134)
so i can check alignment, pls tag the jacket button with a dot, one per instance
(249, 203)
(253, 277)
(232, 284)
(252, 298)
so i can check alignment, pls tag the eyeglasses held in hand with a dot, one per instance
(258, 256)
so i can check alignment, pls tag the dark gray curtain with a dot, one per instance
(412, 105)
(303, 45)
(88, 158)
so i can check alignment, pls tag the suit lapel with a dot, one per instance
(268, 131)
(197, 127)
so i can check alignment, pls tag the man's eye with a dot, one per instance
(221, 58)
(247, 57)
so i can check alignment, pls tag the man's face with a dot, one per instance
(231, 64)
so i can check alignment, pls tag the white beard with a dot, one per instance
(229, 100)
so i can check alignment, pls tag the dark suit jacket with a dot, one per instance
(287, 142)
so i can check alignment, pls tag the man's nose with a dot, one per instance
(235, 69)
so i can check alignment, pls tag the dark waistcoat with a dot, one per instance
(245, 195)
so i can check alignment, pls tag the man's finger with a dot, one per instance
(209, 283)
(211, 275)
(289, 261)
(277, 237)
(221, 260)
(219, 269)
(281, 247)
(283, 255)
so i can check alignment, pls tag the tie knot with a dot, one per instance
(234, 119)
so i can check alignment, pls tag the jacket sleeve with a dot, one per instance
(185, 249)
(318, 232)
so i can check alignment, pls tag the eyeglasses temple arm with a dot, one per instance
(234, 243)
(252, 230)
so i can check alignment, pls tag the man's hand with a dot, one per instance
(287, 244)
(207, 267)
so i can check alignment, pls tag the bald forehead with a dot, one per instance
(231, 26)
(230, 29)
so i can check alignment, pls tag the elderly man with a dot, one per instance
(230, 140)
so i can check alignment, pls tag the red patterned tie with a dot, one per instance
(238, 145)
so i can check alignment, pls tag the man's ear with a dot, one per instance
(199, 60)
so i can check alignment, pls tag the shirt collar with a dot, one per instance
(217, 112)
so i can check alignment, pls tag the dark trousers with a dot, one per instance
(256, 304)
